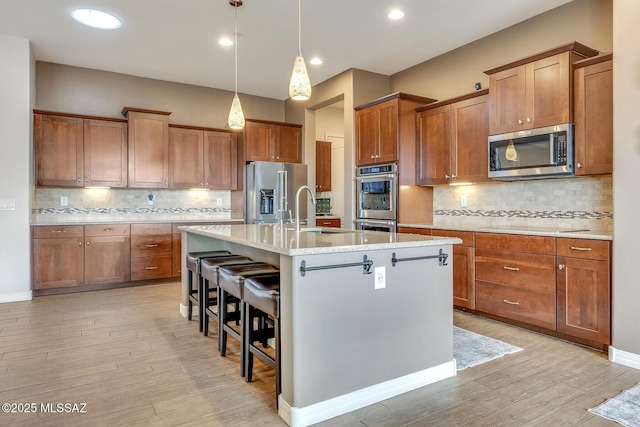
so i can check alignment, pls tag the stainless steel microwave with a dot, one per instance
(530, 154)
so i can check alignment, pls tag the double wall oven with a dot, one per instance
(377, 197)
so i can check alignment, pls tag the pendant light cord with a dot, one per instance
(299, 28)
(235, 34)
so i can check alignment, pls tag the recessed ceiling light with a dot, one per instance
(395, 14)
(225, 41)
(315, 61)
(96, 19)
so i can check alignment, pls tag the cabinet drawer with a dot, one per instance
(515, 242)
(145, 229)
(99, 230)
(465, 236)
(150, 268)
(533, 307)
(411, 230)
(523, 270)
(57, 231)
(150, 246)
(584, 248)
(328, 222)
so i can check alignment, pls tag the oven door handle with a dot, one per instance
(375, 177)
(375, 221)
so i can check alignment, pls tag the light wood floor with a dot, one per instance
(134, 361)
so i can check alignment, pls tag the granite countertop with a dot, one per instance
(124, 221)
(285, 240)
(531, 231)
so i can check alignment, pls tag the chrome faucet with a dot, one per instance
(313, 200)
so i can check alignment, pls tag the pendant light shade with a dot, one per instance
(511, 153)
(236, 115)
(300, 85)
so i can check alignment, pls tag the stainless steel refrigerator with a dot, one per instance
(271, 192)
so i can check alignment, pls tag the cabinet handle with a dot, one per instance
(58, 231)
(511, 268)
(152, 246)
(560, 267)
(579, 165)
(108, 229)
(510, 302)
(152, 268)
(576, 248)
(447, 176)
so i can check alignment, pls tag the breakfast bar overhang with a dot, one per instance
(365, 315)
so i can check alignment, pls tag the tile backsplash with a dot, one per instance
(567, 203)
(98, 204)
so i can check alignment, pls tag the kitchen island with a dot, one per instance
(365, 315)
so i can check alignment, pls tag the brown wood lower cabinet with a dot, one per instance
(58, 257)
(464, 267)
(107, 254)
(150, 251)
(327, 222)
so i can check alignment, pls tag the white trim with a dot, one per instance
(18, 296)
(625, 358)
(301, 417)
(184, 310)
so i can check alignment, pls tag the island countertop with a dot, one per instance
(283, 239)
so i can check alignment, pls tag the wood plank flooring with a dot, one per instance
(134, 361)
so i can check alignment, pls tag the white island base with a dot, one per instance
(365, 315)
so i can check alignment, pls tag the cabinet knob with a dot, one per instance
(560, 267)
(519, 121)
(86, 180)
(373, 156)
(79, 179)
(79, 243)
(447, 176)
(88, 243)
(528, 120)
(579, 165)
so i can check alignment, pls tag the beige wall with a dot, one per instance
(455, 73)
(626, 177)
(102, 93)
(16, 87)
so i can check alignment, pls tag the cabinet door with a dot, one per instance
(148, 150)
(469, 139)
(388, 138)
(323, 166)
(593, 102)
(258, 141)
(434, 143)
(507, 100)
(583, 299)
(288, 144)
(220, 161)
(107, 259)
(367, 135)
(464, 281)
(59, 150)
(105, 153)
(547, 91)
(58, 263)
(186, 147)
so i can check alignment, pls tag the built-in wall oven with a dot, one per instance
(377, 197)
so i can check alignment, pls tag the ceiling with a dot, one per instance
(178, 40)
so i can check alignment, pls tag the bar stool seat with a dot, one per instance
(230, 283)
(193, 268)
(261, 299)
(209, 272)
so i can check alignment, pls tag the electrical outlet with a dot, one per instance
(64, 201)
(219, 201)
(379, 275)
(463, 201)
(151, 198)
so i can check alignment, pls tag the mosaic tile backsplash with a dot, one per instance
(567, 203)
(97, 205)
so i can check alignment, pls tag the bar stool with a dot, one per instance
(261, 300)
(230, 284)
(209, 272)
(193, 267)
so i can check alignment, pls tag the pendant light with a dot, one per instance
(300, 85)
(236, 116)
(511, 153)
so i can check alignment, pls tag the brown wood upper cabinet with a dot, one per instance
(72, 151)
(534, 92)
(202, 159)
(593, 114)
(385, 133)
(148, 138)
(452, 140)
(272, 141)
(323, 166)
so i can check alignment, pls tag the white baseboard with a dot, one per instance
(625, 358)
(184, 310)
(301, 417)
(18, 296)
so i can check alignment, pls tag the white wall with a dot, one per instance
(17, 89)
(626, 177)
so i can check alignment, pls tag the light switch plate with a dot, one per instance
(64, 201)
(7, 204)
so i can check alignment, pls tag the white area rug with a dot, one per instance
(471, 349)
(623, 408)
